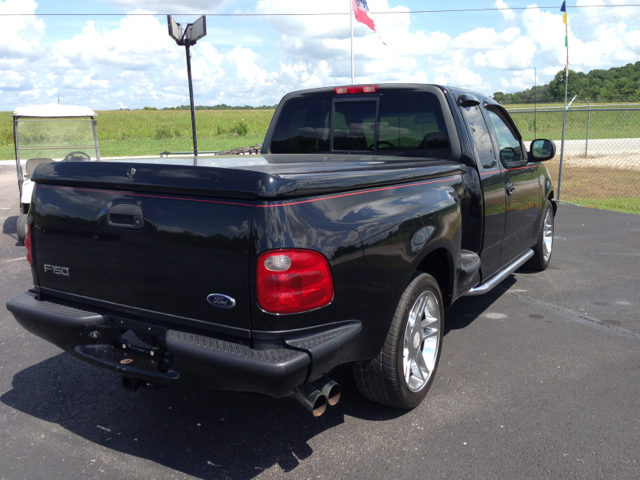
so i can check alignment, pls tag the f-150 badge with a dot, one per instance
(56, 270)
(221, 301)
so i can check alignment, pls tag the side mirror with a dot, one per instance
(508, 155)
(542, 150)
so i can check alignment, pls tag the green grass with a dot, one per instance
(578, 103)
(152, 146)
(598, 187)
(603, 124)
(617, 204)
(142, 132)
(172, 124)
(149, 132)
(7, 153)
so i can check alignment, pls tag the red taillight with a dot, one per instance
(356, 89)
(293, 281)
(27, 243)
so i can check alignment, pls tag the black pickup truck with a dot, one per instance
(371, 209)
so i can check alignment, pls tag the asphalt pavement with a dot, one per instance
(540, 378)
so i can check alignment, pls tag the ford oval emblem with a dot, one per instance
(221, 301)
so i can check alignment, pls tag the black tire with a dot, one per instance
(383, 379)
(543, 248)
(21, 227)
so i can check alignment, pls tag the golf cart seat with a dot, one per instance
(32, 163)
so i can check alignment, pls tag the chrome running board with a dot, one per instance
(500, 276)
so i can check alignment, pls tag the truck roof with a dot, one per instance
(54, 110)
(390, 87)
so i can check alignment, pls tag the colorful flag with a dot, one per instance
(361, 9)
(563, 9)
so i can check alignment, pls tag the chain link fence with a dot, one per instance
(601, 159)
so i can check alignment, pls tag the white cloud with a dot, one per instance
(514, 55)
(255, 61)
(10, 79)
(598, 37)
(456, 74)
(138, 44)
(483, 38)
(327, 39)
(508, 14)
(544, 28)
(171, 6)
(518, 81)
(21, 34)
(614, 13)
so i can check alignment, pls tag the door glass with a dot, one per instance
(510, 147)
(481, 136)
(354, 126)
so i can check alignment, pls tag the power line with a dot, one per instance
(412, 12)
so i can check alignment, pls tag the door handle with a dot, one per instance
(510, 188)
(125, 215)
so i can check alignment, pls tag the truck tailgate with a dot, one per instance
(163, 253)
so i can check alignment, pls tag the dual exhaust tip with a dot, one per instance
(317, 395)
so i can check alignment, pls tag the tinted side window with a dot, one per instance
(481, 137)
(510, 147)
(412, 125)
(354, 126)
(303, 126)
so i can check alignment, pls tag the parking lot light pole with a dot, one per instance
(187, 38)
(193, 106)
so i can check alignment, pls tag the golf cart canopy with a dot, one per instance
(51, 133)
(54, 110)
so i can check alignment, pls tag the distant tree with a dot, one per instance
(618, 83)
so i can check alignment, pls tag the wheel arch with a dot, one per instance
(554, 203)
(439, 264)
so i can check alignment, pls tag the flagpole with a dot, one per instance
(566, 91)
(351, 27)
(535, 100)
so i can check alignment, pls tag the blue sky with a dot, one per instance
(129, 61)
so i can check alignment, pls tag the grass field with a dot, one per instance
(149, 132)
(602, 124)
(605, 188)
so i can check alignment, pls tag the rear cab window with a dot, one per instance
(395, 124)
(303, 126)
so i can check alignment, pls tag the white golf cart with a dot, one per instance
(50, 133)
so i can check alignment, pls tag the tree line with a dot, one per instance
(621, 84)
(222, 107)
(211, 107)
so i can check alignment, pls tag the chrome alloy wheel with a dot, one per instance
(421, 341)
(547, 243)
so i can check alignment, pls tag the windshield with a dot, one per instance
(395, 124)
(56, 138)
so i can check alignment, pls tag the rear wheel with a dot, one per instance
(402, 373)
(21, 227)
(544, 245)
